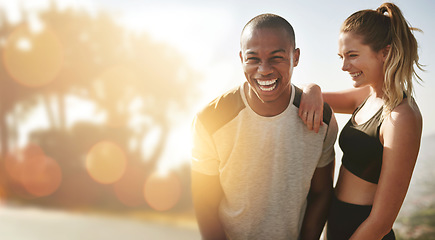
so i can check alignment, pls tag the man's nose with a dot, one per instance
(265, 68)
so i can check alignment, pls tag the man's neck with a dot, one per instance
(267, 109)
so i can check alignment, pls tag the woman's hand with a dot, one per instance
(311, 107)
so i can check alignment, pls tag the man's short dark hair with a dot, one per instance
(269, 20)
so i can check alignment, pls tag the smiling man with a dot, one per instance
(257, 171)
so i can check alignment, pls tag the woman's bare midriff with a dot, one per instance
(352, 189)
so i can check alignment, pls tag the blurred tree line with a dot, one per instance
(420, 224)
(417, 218)
(75, 54)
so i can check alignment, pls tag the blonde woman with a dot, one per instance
(380, 143)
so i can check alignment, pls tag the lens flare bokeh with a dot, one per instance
(106, 162)
(41, 176)
(3, 194)
(128, 189)
(31, 58)
(162, 192)
(37, 173)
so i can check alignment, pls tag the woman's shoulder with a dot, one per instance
(403, 126)
(407, 110)
(406, 115)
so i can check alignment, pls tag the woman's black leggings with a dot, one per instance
(344, 218)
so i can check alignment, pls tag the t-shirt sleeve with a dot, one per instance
(328, 152)
(204, 155)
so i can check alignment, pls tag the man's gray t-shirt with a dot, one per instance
(265, 164)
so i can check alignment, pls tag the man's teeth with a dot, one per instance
(355, 74)
(267, 85)
(267, 89)
(266, 82)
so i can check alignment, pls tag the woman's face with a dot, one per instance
(364, 65)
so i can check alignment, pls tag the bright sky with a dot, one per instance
(207, 33)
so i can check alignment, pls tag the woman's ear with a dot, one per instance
(385, 52)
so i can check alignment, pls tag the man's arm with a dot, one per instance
(319, 200)
(207, 194)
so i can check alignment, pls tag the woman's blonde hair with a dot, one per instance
(387, 27)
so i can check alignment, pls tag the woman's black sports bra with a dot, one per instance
(362, 149)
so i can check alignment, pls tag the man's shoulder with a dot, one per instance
(222, 110)
(327, 111)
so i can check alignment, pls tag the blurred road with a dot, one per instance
(26, 223)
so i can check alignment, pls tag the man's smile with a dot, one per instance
(267, 85)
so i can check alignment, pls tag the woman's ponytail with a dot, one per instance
(403, 54)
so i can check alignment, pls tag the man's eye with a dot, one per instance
(277, 59)
(252, 60)
(353, 55)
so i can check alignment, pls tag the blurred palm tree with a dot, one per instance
(128, 77)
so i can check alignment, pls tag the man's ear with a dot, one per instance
(296, 55)
(241, 57)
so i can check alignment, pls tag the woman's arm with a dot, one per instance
(401, 134)
(345, 101)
